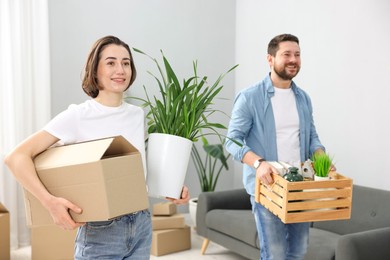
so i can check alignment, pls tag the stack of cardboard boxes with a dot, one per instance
(170, 233)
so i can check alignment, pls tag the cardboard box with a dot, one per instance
(104, 177)
(307, 201)
(170, 241)
(52, 243)
(164, 209)
(5, 247)
(168, 222)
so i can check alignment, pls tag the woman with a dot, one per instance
(109, 71)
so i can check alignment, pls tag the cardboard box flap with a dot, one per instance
(3, 209)
(84, 152)
(119, 146)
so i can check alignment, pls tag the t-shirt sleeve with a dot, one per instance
(64, 126)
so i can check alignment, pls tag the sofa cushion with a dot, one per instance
(322, 244)
(369, 211)
(371, 244)
(239, 224)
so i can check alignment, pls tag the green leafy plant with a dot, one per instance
(322, 164)
(183, 108)
(209, 168)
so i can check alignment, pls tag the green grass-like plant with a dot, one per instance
(322, 164)
(209, 168)
(183, 108)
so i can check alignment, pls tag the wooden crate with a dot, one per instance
(307, 201)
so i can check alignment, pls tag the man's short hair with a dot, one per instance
(273, 45)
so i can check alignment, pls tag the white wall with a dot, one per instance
(345, 69)
(345, 61)
(185, 30)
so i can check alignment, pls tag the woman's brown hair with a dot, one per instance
(90, 83)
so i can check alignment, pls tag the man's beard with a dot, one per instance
(283, 74)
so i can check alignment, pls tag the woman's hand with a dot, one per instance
(184, 197)
(59, 209)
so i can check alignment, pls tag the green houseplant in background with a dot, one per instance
(322, 163)
(175, 120)
(208, 169)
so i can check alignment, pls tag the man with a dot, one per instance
(273, 121)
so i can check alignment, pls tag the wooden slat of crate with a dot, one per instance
(273, 199)
(317, 204)
(305, 201)
(317, 216)
(308, 194)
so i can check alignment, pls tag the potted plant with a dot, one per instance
(208, 169)
(175, 121)
(322, 163)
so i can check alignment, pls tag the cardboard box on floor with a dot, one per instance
(104, 177)
(164, 209)
(170, 240)
(52, 243)
(5, 247)
(168, 222)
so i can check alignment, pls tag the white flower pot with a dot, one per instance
(192, 206)
(318, 178)
(167, 161)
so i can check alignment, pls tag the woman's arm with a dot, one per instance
(20, 162)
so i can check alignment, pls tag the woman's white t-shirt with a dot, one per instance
(91, 120)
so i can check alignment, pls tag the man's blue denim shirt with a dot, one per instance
(252, 125)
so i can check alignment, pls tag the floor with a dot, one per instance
(214, 251)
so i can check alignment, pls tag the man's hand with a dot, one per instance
(59, 210)
(264, 173)
(184, 197)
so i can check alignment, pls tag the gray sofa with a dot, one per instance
(225, 218)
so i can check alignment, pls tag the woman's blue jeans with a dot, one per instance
(279, 241)
(126, 237)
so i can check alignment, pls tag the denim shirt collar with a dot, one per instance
(270, 88)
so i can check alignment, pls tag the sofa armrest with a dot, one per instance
(229, 199)
(371, 244)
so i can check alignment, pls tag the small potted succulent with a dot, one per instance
(322, 164)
